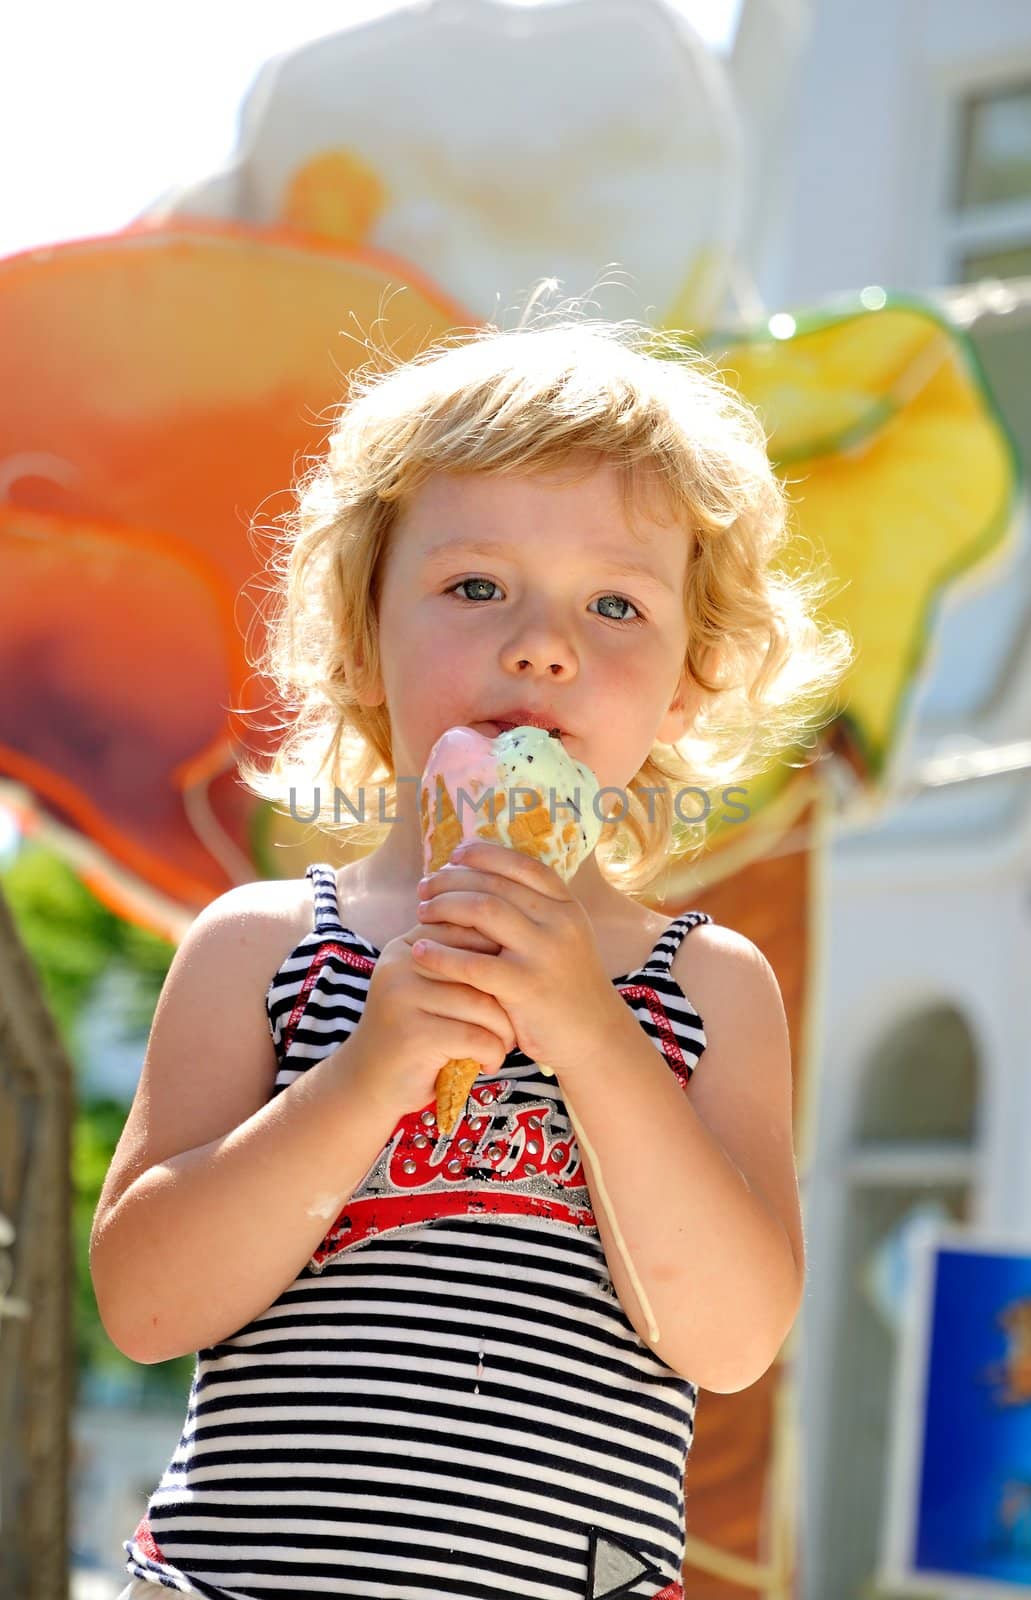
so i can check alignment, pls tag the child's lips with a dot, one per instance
(490, 730)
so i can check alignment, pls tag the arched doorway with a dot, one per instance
(911, 1155)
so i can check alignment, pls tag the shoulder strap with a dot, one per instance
(327, 908)
(668, 942)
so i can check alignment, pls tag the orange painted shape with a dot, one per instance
(122, 652)
(159, 390)
(175, 377)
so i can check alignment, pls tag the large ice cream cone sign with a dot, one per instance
(522, 790)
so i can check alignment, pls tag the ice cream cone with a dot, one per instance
(497, 777)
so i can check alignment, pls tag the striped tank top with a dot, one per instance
(449, 1399)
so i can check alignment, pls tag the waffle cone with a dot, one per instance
(453, 1084)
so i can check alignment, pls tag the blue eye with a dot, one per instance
(490, 584)
(623, 601)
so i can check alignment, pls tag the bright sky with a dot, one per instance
(105, 106)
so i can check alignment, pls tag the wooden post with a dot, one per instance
(36, 1282)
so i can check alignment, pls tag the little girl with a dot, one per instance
(467, 1365)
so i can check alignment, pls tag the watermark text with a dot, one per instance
(690, 804)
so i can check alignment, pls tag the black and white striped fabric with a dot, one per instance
(449, 1399)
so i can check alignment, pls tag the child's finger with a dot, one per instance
(454, 964)
(486, 913)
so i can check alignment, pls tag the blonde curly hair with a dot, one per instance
(488, 400)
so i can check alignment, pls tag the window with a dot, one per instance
(996, 147)
(989, 222)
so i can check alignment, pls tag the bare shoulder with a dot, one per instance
(735, 992)
(210, 1062)
(257, 916)
(742, 1085)
(714, 961)
(244, 935)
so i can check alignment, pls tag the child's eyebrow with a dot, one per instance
(615, 561)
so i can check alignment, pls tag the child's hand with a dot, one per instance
(413, 1024)
(548, 976)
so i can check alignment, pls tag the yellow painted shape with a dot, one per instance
(899, 468)
(336, 193)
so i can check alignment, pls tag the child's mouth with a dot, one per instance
(491, 730)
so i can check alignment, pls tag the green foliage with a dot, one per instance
(72, 938)
(68, 934)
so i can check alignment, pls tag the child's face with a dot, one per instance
(546, 625)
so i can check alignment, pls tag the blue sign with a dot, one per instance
(959, 1504)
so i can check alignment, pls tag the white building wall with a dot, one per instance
(902, 934)
(865, 155)
(933, 904)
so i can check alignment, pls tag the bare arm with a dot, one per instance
(703, 1182)
(217, 1195)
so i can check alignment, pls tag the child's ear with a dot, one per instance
(673, 725)
(681, 712)
(368, 691)
(369, 698)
